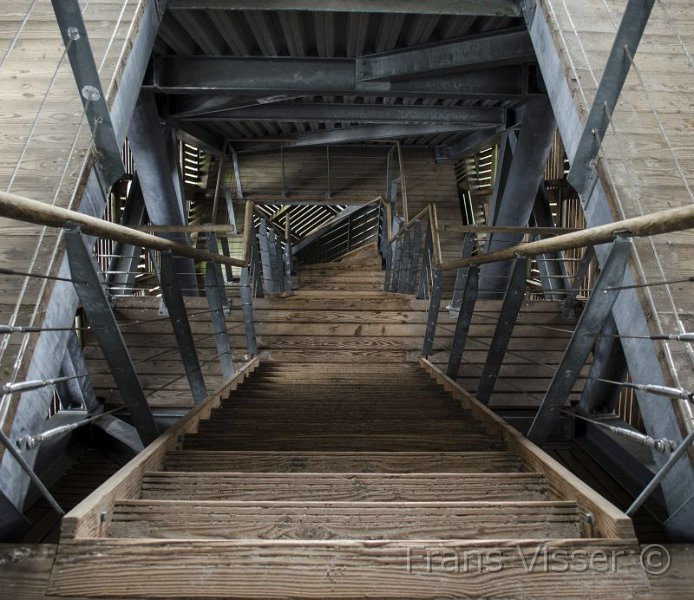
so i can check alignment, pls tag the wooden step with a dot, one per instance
(345, 520)
(315, 441)
(381, 487)
(337, 462)
(122, 568)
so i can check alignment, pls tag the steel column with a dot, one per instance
(469, 243)
(586, 332)
(416, 254)
(426, 263)
(513, 299)
(175, 306)
(433, 313)
(248, 318)
(569, 303)
(265, 257)
(216, 301)
(405, 262)
(90, 290)
(462, 325)
(287, 260)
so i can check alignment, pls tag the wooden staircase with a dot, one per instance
(345, 479)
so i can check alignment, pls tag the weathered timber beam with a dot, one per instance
(40, 213)
(476, 51)
(666, 221)
(482, 117)
(490, 8)
(513, 299)
(97, 307)
(175, 306)
(586, 332)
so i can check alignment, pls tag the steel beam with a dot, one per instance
(405, 262)
(411, 286)
(248, 318)
(586, 332)
(626, 42)
(426, 263)
(215, 301)
(433, 313)
(552, 266)
(109, 160)
(346, 135)
(480, 51)
(90, 290)
(608, 363)
(155, 172)
(175, 306)
(267, 76)
(462, 325)
(473, 117)
(469, 243)
(525, 175)
(123, 265)
(473, 142)
(78, 389)
(476, 8)
(569, 304)
(265, 257)
(513, 299)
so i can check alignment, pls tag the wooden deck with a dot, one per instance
(648, 159)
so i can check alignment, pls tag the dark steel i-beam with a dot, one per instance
(587, 330)
(248, 318)
(569, 304)
(477, 51)
(416, 255)
(69, 16)
(90, 290)
(462, 326)
(265, 257)
(513, 299)
(405, 262)
(426, 263)
(468, 8)
(175, 306)
(624, 47)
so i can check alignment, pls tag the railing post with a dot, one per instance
(513, 299)
(462, 326)
(433, 313)
(586, 332)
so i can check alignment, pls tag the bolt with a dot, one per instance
(73, 33)
(90, 93)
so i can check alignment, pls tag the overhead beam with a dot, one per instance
(478, 51)
(358, 134)
(487, 8)
(90, 290)
(467, 116)
(291, 76)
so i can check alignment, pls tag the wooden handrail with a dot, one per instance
(666, 221)
(40, 213)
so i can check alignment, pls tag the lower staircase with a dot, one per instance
(345, 479)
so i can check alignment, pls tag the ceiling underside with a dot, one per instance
(261, 78)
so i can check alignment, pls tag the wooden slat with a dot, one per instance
(335, 462)
(344, 520)
(382, 487)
